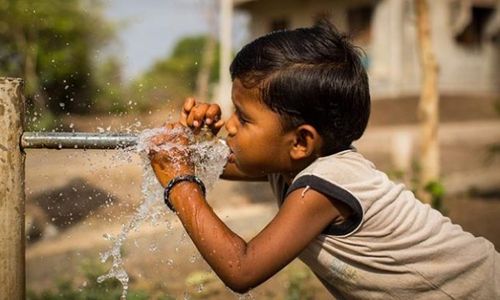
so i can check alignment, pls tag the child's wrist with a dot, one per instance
(165, 175)
(182, 185)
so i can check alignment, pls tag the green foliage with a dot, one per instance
(437, 192)
(52, 45)
(435, 189)
(41, 121)
(174, 77)
(495, 148)
(298, 288)
(111, 95)
(396, 175)
(91, 290)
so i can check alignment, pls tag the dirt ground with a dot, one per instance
(83, 195)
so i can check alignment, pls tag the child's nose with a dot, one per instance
(231, 126)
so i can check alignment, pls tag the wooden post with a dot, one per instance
(224, 93)
(428, 110)
(12, 263)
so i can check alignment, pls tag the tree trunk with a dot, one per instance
(428, 109)
(207, 61)
(29, 50)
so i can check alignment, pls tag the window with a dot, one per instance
(359, 24)
(472, 34)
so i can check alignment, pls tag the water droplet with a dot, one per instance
(170, 262)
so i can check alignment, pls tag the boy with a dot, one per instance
(301, 98)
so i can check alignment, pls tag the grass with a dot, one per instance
(92, 290)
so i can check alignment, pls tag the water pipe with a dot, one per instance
(77, 140)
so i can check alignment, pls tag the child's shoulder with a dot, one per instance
(344, 167)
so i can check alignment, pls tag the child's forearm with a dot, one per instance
(223, 250)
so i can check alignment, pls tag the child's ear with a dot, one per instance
(307, 142)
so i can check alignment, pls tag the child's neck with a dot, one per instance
(298, 166)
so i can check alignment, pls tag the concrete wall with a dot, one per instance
(462, 69)
(393, 52)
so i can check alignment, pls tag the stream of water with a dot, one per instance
(208, 154)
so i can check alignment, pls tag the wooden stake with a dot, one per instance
(12, 262)
(428, 110)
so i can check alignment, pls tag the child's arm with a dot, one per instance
(243, 265)
(195, 115)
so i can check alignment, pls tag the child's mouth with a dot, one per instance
(232, 157)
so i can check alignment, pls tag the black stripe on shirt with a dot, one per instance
(334, 192)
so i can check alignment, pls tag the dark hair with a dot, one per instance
(309, 76)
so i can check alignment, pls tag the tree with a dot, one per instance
(52, 45)
(428, 110)
(175, 77)
(111, 93)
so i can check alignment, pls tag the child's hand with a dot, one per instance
(173, 158)
(195, 115)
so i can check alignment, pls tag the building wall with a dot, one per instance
(393, 50)
(463, 69)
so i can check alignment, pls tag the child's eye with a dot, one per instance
(242, 121)
(241, 118)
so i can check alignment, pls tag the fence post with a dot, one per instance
(12, 261)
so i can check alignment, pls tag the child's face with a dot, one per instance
(258, 144)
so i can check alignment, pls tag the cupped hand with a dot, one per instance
(195, 115)
(171, 156)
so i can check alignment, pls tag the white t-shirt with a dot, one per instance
(393, 246)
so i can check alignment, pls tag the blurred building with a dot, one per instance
(465, 33)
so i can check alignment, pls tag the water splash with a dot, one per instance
(151, 194)
(209, 155)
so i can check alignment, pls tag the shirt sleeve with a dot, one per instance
(338, 193)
